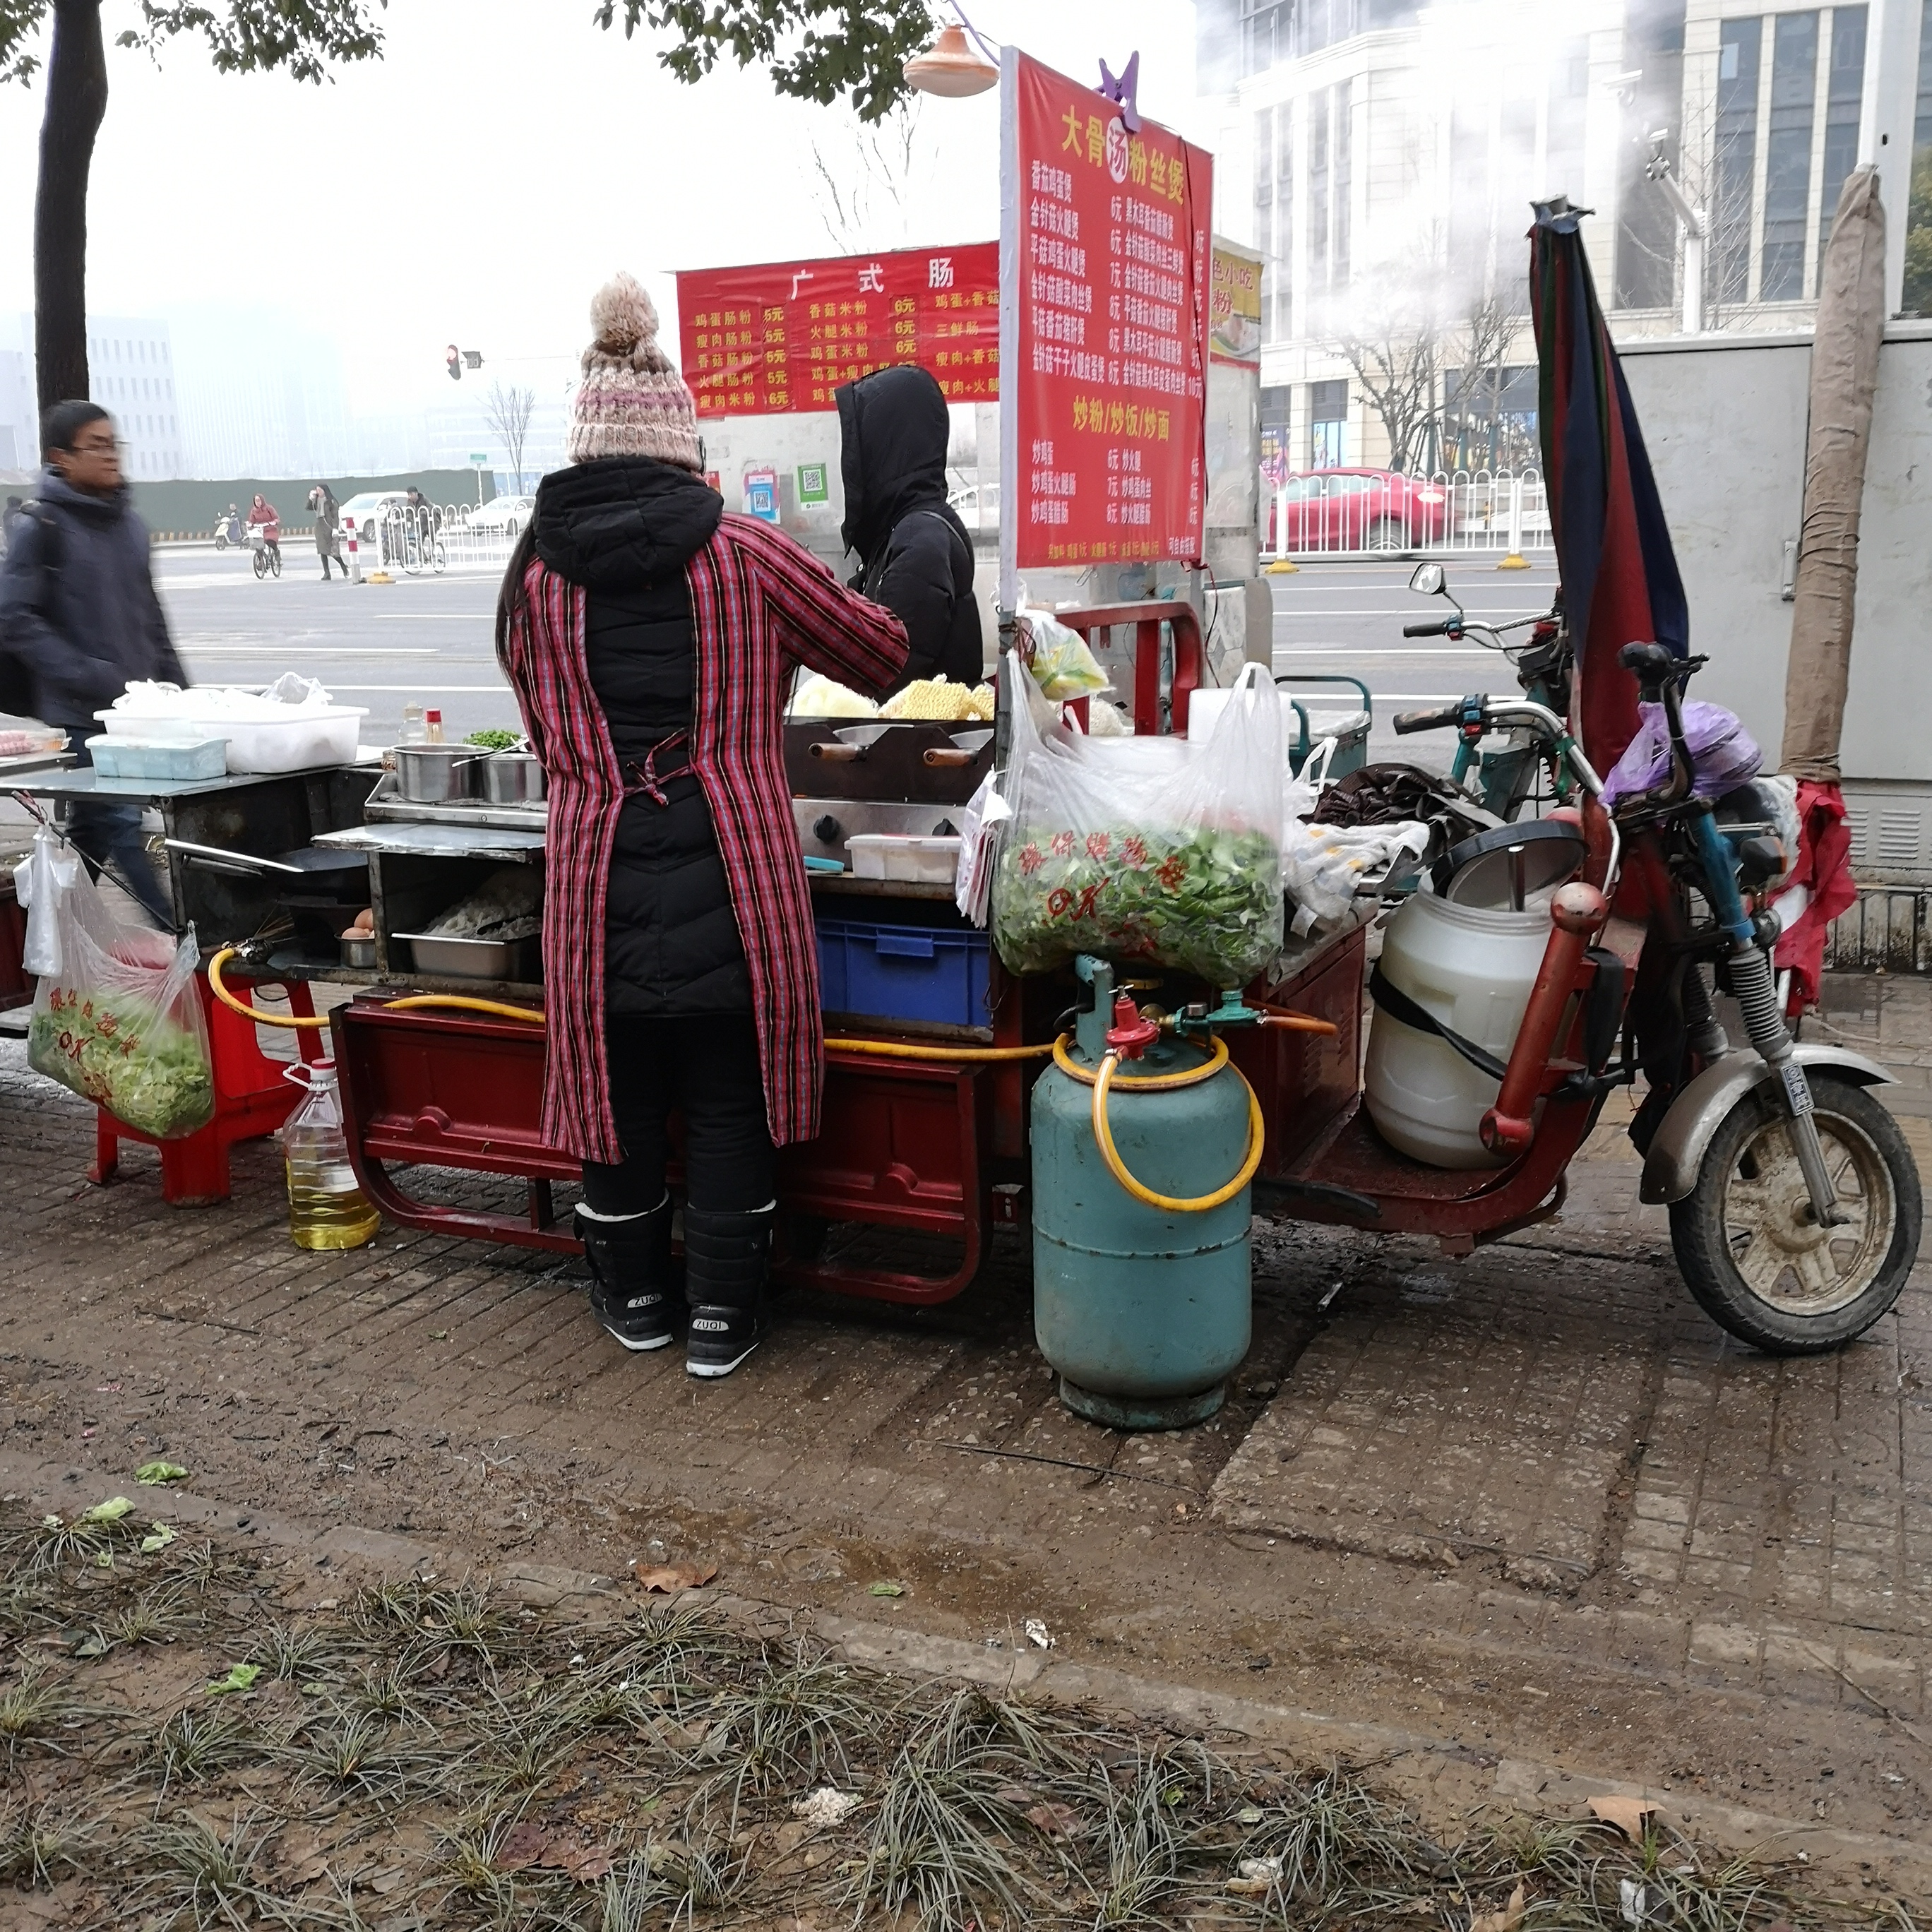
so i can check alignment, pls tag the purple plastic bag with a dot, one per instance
(1722, 753)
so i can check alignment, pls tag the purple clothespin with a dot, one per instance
(1124, 90)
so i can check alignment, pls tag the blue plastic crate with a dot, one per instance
(902, 972)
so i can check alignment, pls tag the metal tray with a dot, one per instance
(386, 806)
(473, 959)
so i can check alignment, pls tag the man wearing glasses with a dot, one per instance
(80, 620)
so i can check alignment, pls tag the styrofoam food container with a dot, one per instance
(140, 758)
(311, 735)
(891, 855)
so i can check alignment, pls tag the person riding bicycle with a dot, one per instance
(265, 520)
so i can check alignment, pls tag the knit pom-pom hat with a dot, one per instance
(631, 402)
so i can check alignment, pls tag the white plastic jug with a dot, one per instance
(1472, 968)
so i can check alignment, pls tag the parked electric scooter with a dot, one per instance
(1795, 1205)
(229, 534)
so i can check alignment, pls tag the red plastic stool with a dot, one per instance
(252, 1099)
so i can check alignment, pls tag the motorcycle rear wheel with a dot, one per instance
(1747, 1245)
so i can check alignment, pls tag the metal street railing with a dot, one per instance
(1370, 513)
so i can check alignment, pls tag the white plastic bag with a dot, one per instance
(41, 880)
(1323, 865)
(120, 1022)
(1175, 862)
(980, 825)
(1062, 665)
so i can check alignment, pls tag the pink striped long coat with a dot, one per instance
(761, 604)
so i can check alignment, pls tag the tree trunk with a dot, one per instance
(76, 103)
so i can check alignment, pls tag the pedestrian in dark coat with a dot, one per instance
(914, 555)
(651, 641)
(327, 528)
(80, 620)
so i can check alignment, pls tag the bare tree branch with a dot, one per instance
(508, 411)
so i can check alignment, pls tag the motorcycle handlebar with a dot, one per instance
(1406, 721)
(1437, 629)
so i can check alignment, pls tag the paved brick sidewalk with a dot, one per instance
(1530, 1503)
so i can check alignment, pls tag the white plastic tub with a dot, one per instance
(311, 735)
(144, 758)
(888, 855)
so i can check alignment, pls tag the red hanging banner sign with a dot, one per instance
(777, 338)
(1105, 276)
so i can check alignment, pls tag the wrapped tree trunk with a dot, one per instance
(1844, 374)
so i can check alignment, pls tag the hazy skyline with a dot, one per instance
(478, 182)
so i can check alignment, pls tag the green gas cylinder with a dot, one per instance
(1144, 1312)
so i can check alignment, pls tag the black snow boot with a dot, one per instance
(725, 1259)
(634, 1290)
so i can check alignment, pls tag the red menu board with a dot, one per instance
(1106, 258)
(777, 338)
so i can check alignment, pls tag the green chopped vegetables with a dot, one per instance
(143, 1067)
(160, 1471)
(1205, 902)
(494, 738)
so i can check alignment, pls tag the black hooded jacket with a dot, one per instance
(915, 556)
(624, 527)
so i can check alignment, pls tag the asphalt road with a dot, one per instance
(1348, 617)
(429, 637)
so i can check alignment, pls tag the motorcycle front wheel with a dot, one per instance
(1749, 1248)
(221, 541)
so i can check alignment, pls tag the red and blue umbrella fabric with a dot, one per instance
(1613, 552)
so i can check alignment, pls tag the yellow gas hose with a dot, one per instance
(1103, 1134)
(895, 1049)
(463, 1001)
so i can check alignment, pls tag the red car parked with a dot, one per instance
(1358, 509)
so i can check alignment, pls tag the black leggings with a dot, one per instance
(708, 1067)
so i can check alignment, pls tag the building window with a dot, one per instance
(1264, 215)
(1844, 85)
(1338, 275)
(1318, 180)
(1284, 223)
(1328, 425)
(1787, 186)
(1918, 294)
(1275, 464)
(1738, 50)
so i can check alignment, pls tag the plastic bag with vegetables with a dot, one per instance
(1179, 866)
(120, 1023)
(1062, 665)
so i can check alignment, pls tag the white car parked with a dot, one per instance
(503, 516)
(362, 513)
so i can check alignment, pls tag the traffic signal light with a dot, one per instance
(452, 358)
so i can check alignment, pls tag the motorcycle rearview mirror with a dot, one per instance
(1428, 581)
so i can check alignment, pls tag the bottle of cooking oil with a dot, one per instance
(326, 1208)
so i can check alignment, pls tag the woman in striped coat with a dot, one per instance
(651, 639)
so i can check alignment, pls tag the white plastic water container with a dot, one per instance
(1472, 968)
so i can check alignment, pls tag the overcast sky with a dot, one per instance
(501, 159)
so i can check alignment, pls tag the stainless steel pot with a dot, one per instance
(513, 778)
(439, 774)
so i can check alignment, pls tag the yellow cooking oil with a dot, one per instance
(326, 1207)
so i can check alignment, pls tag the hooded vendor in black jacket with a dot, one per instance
(914, 555)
